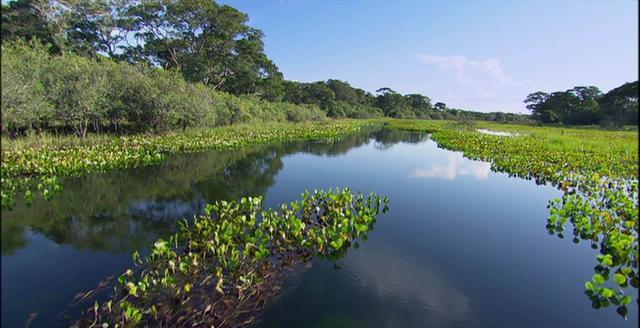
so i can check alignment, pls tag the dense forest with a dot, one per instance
(138, 66)
(586, 106)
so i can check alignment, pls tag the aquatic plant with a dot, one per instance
(597, 172)
(33, 171)
(604, 212)
(221, 268)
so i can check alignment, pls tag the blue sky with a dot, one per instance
(477, 55)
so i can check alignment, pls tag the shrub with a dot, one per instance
(24, 101)
(43, 91)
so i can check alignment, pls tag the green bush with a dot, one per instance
(43, 91)
(77, 88)
(24, 101)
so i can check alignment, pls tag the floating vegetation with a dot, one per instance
(497, 133)
(222, 268)
(604, 212)
(597, 172)
(38, 170)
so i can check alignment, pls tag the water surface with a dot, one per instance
(461, 247)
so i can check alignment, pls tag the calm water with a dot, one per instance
(461, 247)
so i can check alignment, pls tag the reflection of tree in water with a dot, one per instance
(385, 138)
(126, 210)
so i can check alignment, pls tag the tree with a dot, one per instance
(620, 105)
(584, 107)
(419, 102)
(574, 106)
(24, 104)
(21, 19)
(535, 103)
(207, 42)
(95, 26)
(320, 94)
(343, 91)
(77, 88)
(440, 106)
(392, 103)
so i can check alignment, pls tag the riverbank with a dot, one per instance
(34, 166)
(538, 152)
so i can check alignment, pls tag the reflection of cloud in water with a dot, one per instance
(458, 165)
(392, 276)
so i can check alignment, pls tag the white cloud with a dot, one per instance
(485, 78)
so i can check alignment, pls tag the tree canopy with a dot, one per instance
(213, 46)
(586, 105)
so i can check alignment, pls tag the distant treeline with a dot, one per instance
(339, 99)
(587, 106)
(125, 65)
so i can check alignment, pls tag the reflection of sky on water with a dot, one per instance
(398, 277)
(457, 165)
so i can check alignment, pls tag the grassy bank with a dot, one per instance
(35, 165)
(538, 152)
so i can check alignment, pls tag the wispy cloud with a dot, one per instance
(485, 77)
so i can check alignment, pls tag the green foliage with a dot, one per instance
(25, 104)
(212, 44)
(597, 172)
(76, 88)
(586, 106)
(620, 105)
(81, 95)
(219, 264)
(21, 20)
(206, 42)
(603, 211)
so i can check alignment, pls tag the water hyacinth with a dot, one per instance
(39, 170)
(604, 212)
(222, 268)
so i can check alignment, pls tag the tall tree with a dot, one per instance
(620, 105)
(391, 102)
(95, 26)
(419, 102)
(535, 103)
(440, 106)
(209, 43)
(584, 107)
(22, 19)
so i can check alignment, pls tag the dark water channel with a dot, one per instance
(461, 247)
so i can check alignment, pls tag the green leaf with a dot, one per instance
(589, 285)
(625, 300)
(620, 279)
(598, 279)
(607, 292)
